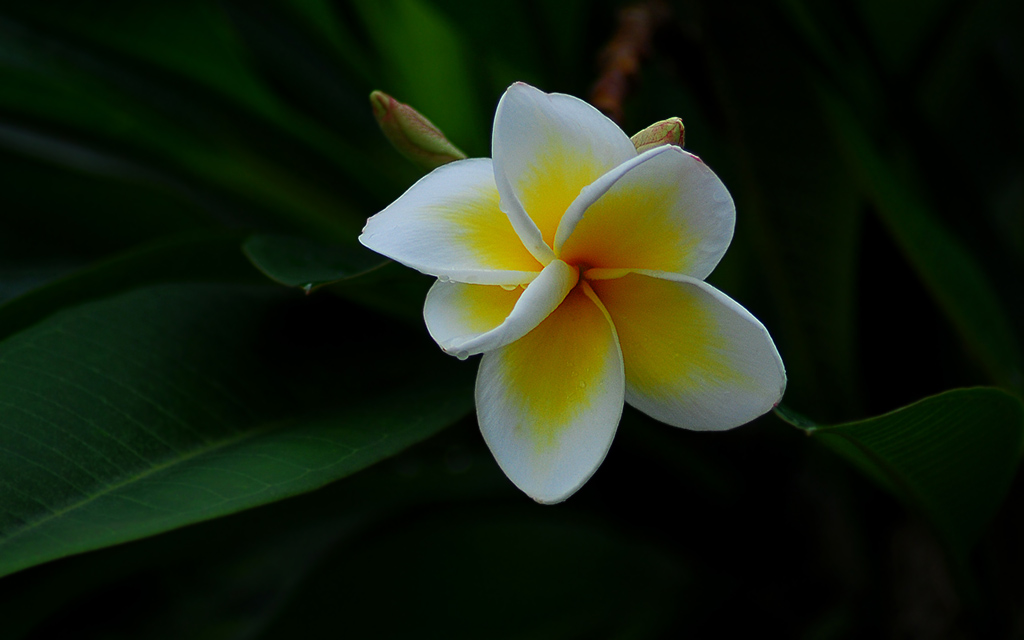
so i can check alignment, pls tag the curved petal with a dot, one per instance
(455, 312)
(547, 148)
(694, 358)
(467, 319)
(449, 225)
(592, 192)
(668, 212)
(549, 403)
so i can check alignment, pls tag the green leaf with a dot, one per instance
(210, 572)
(951, 456)
(173, 404)
(193, 257)
(299, 262)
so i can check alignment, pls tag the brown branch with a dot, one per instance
(620, 59)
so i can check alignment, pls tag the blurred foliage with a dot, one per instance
(158, 160)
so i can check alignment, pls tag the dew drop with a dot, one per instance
(509, 287)
(462, 355)
(443, 278)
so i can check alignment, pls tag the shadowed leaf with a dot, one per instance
(298, 262)
(951, 456)
(174, 404)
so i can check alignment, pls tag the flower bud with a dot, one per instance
(411, 134)
(669, 131)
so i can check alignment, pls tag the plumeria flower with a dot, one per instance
(575, 266)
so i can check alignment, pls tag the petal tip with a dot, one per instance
(366, 239)
(519, 85)
(550, 501)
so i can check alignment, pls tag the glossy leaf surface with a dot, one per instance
(951, 457)
(167, 405)
(298, 262)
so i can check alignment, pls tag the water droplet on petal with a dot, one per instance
(443, 278)
(509, 287)
(462, 355)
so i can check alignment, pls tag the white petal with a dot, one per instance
(449, 224)
(547, 148)
(694, 358)
(549, 403)
(467, 319)
(592, 192)
(665, 211)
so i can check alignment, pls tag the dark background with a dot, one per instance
(874, 152)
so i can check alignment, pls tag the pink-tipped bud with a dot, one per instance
(411, 134)
(669, 131)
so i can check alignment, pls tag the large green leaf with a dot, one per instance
(951, 456)
(173, 404)
(195, 257)
(213, 570)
